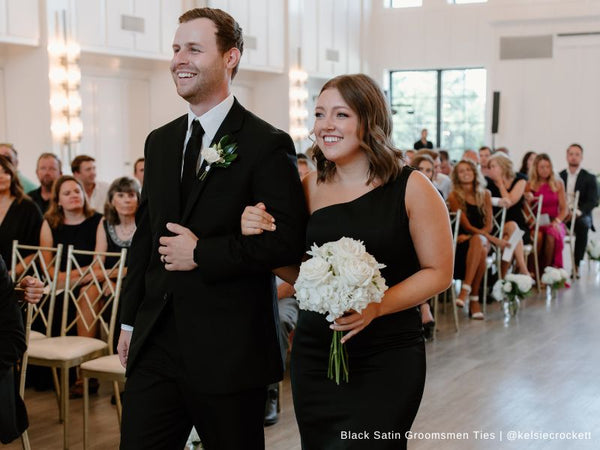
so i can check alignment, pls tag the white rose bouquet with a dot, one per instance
(593, 249)
(554, 277)
(511, 288)
(341, 276)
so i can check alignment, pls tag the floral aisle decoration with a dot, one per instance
(340, 277)
(511, 290)
(554, 279)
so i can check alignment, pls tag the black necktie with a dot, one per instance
(190, 161)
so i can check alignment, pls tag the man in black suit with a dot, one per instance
(578, 179)
(13, 416)
(199, 296)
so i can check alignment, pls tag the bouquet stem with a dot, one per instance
(338, 359)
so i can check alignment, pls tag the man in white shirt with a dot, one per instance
(577, 179)
(84, 169)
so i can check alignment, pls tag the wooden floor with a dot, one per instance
(538, 373)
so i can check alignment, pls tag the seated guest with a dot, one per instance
(84, 169)
(484, 155)
(471, 155)
(9, 151)
(526, 163)
(445, 163)
(70, 221)
(509, 188)
(580, 180)
(408, 156)
(440, 181)
(49, 168)
(542, 181)
(470, 196)
(13, 416)
(138, 170)
(20, 218)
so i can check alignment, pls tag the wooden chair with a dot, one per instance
(455, 225)
(91, 297)
(32, 261)
(570, 237)
(532, 213)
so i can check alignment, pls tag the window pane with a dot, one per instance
(414, 106)
(402, 3)
(463, 110)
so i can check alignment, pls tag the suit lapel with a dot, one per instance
(231, 125)
(171, 170)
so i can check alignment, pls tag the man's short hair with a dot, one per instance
(78, 160)
(139, 160)
(576, 145)
(50, 155)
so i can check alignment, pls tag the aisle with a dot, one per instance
(539, 373)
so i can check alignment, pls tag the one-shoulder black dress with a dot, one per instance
(386, 359)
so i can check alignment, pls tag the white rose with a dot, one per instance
(524, 283)
(210, 155)
(507, 287)
(564, 274)
(354, 272)
(313, 272)
(349, 248)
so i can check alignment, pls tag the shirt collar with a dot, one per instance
(213, 118)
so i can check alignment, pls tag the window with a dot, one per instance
(402, 3)
(462, 2)
(449, 103)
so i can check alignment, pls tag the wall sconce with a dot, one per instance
(298, 111)
(65, 77)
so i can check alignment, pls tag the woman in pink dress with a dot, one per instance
(542, 181)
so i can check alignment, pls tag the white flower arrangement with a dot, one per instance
(221, 154)
(341, 276)
(593, 249)
(554, 277)
(511, 288)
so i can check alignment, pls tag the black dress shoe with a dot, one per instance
(428, 330)
(272, 405)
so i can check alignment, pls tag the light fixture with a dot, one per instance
(298, 96)
(65, 78)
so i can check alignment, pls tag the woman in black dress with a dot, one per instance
(361, 190)
(70, 221)
(509, 188)
(473, 199)
(20, 218)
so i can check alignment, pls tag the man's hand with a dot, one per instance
(177, 252)
(32, 289)
(123, 346)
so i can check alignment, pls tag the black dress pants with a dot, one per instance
(161, 403)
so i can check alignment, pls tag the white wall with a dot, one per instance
(546, 104)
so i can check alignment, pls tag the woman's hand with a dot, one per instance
(256, 219)
(462, 238)
(504, 202)
(529, 196)
(356, 322)
(500, 243)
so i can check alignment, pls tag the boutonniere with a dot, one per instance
(221, 154)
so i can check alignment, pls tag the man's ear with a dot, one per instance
(232, 57)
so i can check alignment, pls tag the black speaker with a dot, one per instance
(495, 112)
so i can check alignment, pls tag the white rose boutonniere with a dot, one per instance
(222, 154)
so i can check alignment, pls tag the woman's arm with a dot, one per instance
(429, 226)
(563, 209)
(509, 198)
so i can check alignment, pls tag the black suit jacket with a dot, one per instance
(13, 416)
(588, 190)
(225, 309)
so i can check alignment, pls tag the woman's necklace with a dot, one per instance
(125, 232)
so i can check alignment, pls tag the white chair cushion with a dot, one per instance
(33, 335)
(107, 364)
(64, 348)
